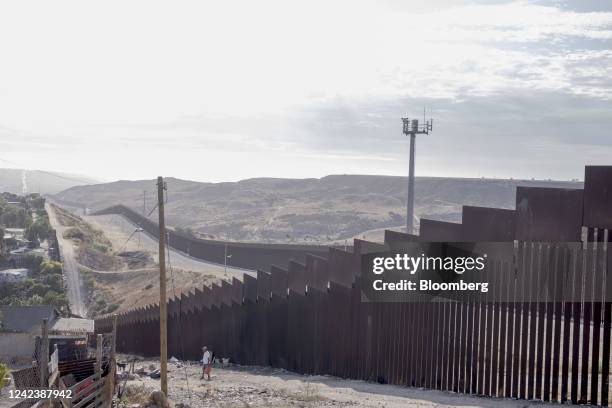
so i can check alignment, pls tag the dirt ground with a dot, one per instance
(120, 232)
(258, 387)
(116, 284)
(119, 287)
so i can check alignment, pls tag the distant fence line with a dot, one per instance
(308, 317)
(244, 255)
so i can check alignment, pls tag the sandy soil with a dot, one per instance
(238, 386)
(119, 287)
(185, 273)
(70, 267)
(118, 229)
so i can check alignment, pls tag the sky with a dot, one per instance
(228, 90)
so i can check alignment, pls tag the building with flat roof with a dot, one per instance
(21, 325)
(13, 275)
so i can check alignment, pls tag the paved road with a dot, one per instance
(71, 266)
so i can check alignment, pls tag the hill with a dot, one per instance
(330, 209)
(38, 181)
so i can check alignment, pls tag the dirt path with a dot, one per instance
(118, 229)
(260, 387)
(71, 266)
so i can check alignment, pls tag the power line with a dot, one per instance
(12, 163)
(137, 229)
(150, 212)
(127, 240)
(68, 178)
(9, 162)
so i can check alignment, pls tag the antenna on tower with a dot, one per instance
(412, 127)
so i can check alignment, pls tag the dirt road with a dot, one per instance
(238, 386)
(71, 266)
(118, 229)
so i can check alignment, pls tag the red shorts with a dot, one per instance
(207, 369)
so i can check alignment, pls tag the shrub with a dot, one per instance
(59, 300)
(111, 308)
(51, 268)
(74, 233)
(39, 289)
(55, 282)
(88, 280)
(4, 372)
(100, 247)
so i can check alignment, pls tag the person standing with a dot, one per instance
(206, 363)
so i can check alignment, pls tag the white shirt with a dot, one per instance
(206, 357)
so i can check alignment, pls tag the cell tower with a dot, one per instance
(412, 128)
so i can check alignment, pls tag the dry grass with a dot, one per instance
(119, 287)
(135, 394)
(309, 393)
(64, 217)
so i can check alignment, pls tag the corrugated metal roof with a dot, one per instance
(73, 325)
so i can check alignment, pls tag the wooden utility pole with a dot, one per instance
(112, 375)
(43, 357)
(163, 324)
(99, 344)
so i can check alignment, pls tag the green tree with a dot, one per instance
(39, 230)
(58, 300)
(50, 267)
(36, 201)
(33, 263)
(39, 288)
(55, 282)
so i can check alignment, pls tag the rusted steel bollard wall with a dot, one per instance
(308, 316)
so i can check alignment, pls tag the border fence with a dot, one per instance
(245, 255)
(309, 316)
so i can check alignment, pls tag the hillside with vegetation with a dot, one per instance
(326, 210)
(103, 268)
(44, 284)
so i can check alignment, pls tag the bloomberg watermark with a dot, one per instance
(412, 265)
(484, 272)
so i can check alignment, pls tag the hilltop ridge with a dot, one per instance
(325, 210)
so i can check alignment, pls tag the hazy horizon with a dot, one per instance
(235, 90)
(87, 180)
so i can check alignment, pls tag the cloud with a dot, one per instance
(295, 83)
(523, 134)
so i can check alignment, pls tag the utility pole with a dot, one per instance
(412, 128)
(163, 324)
(43, 357)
